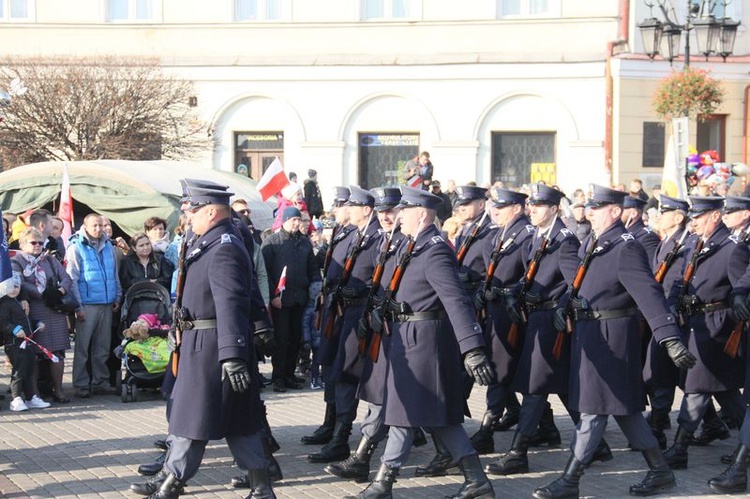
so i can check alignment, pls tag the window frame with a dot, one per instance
(554, 10)
(262, 12)
(5, 16)
(413, 6)
(156, 7)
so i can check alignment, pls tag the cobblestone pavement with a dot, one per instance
(92, 448)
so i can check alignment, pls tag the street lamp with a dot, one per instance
(714, 36)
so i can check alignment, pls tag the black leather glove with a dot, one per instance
(478, 367)
(362, 328)
(513, 309)
(264, 341)
(479, 301)
(559, 320)
(376, 320)
(679, 353)
(739, 307)
(238, 373)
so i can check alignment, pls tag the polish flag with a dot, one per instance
(415, 181)
(282, 283)
(273, 180)
(65, 213)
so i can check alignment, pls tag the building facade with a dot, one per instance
(511, 90)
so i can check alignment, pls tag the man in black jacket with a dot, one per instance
(291, 267)
(313, 198)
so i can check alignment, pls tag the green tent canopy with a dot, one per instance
(127, 192)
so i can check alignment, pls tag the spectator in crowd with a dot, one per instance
(242, 209)
(173, 250)
(420, 169)
(577, 223)
(636, 189)
(18, 225)
(452, 228)
(121, 247)
(56, 232)
(291, 195)
(450, 190)
(144, 264)
(15, 327)
(292, 177)
(289, 253)
(42, 220)
(621, 188)
(653, 201)
(313, 198)
(92, 266)
(44, 278)
(445, 210)
(156, 230)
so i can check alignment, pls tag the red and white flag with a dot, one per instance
(415, 181)
(273, 180)
(282, 282)
(65, 213)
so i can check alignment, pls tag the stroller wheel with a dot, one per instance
(124, 393)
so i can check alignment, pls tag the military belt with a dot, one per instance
(198, 324)
(427, 315)
(496, 293)
(708, 307)
(537, 307)
(586, 314)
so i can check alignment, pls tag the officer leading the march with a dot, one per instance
(215, 396)
(423, 385)
(605, 376)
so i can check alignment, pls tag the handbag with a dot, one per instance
(63, 303)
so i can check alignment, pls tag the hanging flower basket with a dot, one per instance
(688, 92)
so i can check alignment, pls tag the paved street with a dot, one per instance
(92, 448)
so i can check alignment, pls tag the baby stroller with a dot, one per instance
(143, 362)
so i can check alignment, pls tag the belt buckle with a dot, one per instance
(187, 325)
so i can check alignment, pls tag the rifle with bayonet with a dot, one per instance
(577, 283)
(335, 310)
(464, 248)
(177, 313)
(686, 278)
(661, 271)
(732, 345)
(326, 264)
(377, 276)
(495, 257)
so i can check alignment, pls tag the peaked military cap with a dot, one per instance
(468, 193)
(544, 194)
(340, 195)
(200, 196)
(634, 202)
(667, 203)
(703, 204)
(386, 198)
(736, 203)
(602, 196)
(506, 197)
(192, 183)
(360, 197)
(412, 198)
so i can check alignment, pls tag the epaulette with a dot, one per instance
(734, 239)
(437, 239)
(628, 236)
(226, 239)
(566, 232)
(530, 228)
(648, 230)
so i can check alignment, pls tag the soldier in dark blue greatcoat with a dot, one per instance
(215, 395)
(659, 372)
(430, 324)
(605, 376)
(632, 217)
(334, 260)
(711, 302)
(342, 310)
(372, 377)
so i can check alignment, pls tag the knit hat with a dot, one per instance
(12, 282)
(290, 212)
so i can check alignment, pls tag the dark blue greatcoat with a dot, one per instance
(217, 286)
(720, 268)
(510, 269)
(339, 246)
(538, 371)
(372, 378)
(659, 370)
(644, 235)
(473, 268)
(345, 364)
(606, 375)
(423, 386)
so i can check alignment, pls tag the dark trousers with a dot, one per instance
(694, 406)
(400, 441)
(22, 375)
(533, 407)
(590, 431)
(287, 324)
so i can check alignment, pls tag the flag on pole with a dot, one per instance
(282, 283)
(273, 180)
(65, 213)
(6, 271)
(673, 181)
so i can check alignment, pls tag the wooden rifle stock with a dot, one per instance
(377, 276)
(687, 277)
(733, 343)
(461, 253)
(177, 310)
(528, 280)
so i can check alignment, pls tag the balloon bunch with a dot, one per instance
(706, 167)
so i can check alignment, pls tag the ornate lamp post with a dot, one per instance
(713, 36)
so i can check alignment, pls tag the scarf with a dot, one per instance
(34, 268)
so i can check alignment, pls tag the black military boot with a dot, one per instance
(514, 461)
(677, 455)
(713, 428)
(151, 485)
(547, 433)
(659, 477)
(273, 445)
(565, 486)
(483, 440)
(476, 484)
(442, 464)
(734, 478)
(357, 467)
(602, 453)
(171, 488)
(511, 415)
(152, 468)
(419, 438)
(324, 433)
(260, 485)
(337, 449)
(381, 486)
